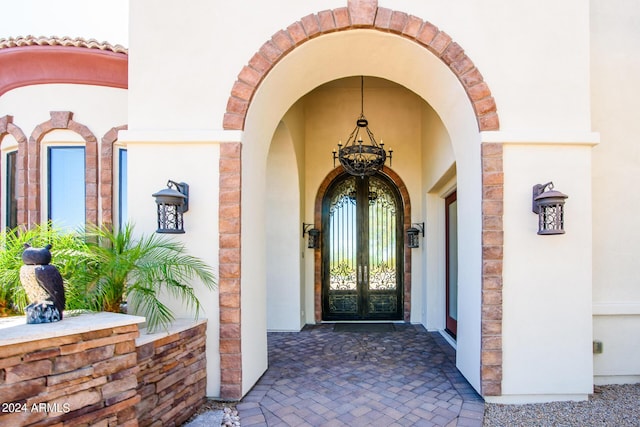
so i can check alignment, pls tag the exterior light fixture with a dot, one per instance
(549, 205)
(356, 157)
(172, 202)
(314, 236)
(413, 232)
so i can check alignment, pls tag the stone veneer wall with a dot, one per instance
(96, 369)
(172, 376)
(79, 379)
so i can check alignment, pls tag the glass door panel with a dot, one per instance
(362, 246)
(383, 272)
(343, 297)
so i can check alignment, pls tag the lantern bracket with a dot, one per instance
(314, 235)
(183, 188)
(538, 189)
(419, 226)
(306, 227)
(412, 234)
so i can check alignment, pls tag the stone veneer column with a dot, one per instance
(492, 261)
(229, 271)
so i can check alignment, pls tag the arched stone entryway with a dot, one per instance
(363, 14)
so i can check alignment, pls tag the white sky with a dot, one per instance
(103, 20)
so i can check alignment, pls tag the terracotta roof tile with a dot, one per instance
(60, 41)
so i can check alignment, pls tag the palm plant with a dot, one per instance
(139, 270)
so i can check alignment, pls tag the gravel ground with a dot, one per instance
(615, 406)
(224, 409)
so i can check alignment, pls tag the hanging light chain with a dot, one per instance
(356, 157)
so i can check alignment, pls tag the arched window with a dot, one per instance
(11, 189)
(66, 189)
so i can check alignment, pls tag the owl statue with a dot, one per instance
(43, 284)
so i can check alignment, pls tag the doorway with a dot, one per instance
(362, 249)
(451, 227)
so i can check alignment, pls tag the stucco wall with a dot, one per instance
(504, 40)
(547, 279)
(615, 40)
(196, 163)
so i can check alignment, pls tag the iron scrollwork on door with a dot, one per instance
(362, 248)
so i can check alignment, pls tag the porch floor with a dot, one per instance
(319, 377)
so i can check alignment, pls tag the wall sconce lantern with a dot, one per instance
(172, 202)
(412, 235)
(549, 205)
(314, 236)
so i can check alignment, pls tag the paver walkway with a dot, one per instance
(318, 377)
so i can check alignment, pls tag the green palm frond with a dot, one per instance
(102, 267)
(67, 256)
(139, 269)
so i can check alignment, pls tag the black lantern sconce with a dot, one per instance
(549, 205)
(314, 236)
(172, 202)
(413, 240)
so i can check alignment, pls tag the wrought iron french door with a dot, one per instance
(362, 250)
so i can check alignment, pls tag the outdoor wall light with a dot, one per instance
(549, 205)
(413, 232)
(172, 202)
(314, 236)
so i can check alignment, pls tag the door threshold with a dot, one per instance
(362, 321)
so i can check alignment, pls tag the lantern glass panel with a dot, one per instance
(551, 219)
(314, 241)
(169, 219)
(413, 240)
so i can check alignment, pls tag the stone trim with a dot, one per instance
(106, 173)
(61, 120)
(492, 263)
(7, 127)
(367, 14)
(361, 14)
(229, 270)
(317, 253)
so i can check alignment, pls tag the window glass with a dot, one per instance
(67, 186)
(122, 187)
(12, 201)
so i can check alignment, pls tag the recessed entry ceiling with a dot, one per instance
(354, 82)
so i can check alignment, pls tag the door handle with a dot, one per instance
(360, 273)
(366, 274)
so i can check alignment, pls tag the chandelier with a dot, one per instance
(356, 157)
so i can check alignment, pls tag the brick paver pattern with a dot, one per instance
(318, 377)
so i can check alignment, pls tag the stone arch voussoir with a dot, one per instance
(7, 127)
(106, 173)
(61, 120)
(359, 15)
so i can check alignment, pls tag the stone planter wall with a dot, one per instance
(172, 375)
(80, 371)
(98, 370)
